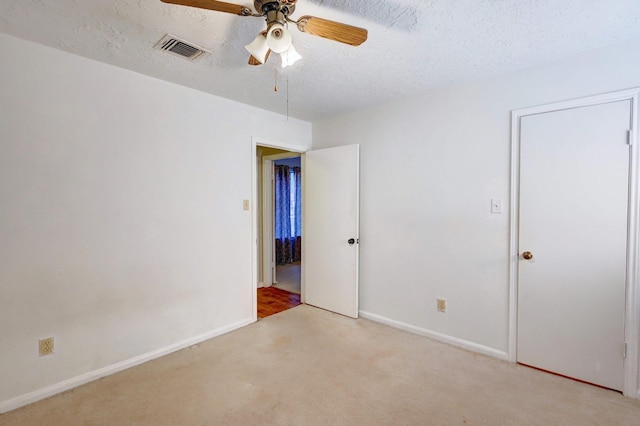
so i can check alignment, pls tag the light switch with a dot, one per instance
(245, 205)
(496, 206)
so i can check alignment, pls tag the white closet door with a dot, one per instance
(574, 177)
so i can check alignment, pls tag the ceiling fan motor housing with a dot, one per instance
(266, 7)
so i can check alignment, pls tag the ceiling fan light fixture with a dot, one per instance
(290, 57)
(278, 38)
(259, 48)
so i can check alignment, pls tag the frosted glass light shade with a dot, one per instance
(290, 57)
(278, 38)
(258, 48)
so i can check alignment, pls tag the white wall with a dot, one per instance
(121, 221)
(429, 167)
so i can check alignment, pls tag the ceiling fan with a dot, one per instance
(277, 38)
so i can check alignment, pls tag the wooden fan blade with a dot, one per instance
(218, 6)
(332, 30)
(254, 61)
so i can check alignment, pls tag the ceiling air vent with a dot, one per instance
(179, 47)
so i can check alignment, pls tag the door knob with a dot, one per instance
(527, 255)
(351, 241)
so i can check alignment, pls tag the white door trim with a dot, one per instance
(632, 314)
(267, 219)
(255, 142)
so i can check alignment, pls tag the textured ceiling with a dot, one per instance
(413, 46)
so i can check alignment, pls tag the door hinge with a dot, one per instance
(624, 350)
(630, 137)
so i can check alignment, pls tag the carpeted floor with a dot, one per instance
(306, 366)
(288, 277)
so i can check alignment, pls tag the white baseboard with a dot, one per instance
(454, 341)
(65, 385)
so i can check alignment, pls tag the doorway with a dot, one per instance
(329, 267)
(574, 240)
(287, 223)
(280, 219)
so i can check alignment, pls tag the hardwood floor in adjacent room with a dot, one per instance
(273, 300)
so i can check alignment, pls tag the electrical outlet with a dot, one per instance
(45, 346)
(442, 305)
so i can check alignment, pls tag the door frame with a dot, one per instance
(255, 142)
(632, 288)
(268, 243)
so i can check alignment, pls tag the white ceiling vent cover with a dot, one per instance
(184, 49)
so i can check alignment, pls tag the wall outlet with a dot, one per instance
(442, 305)
(45, 346)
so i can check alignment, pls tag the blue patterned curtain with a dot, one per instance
(288, 214)
(283, 214)
(283, 202)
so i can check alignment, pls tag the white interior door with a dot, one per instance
(574, 176)
(330, 223)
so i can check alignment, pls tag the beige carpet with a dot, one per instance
(309, 367)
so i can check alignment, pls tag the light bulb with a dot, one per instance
(278, 38)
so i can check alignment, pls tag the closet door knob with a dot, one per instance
(527, 255)
(351, 241)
